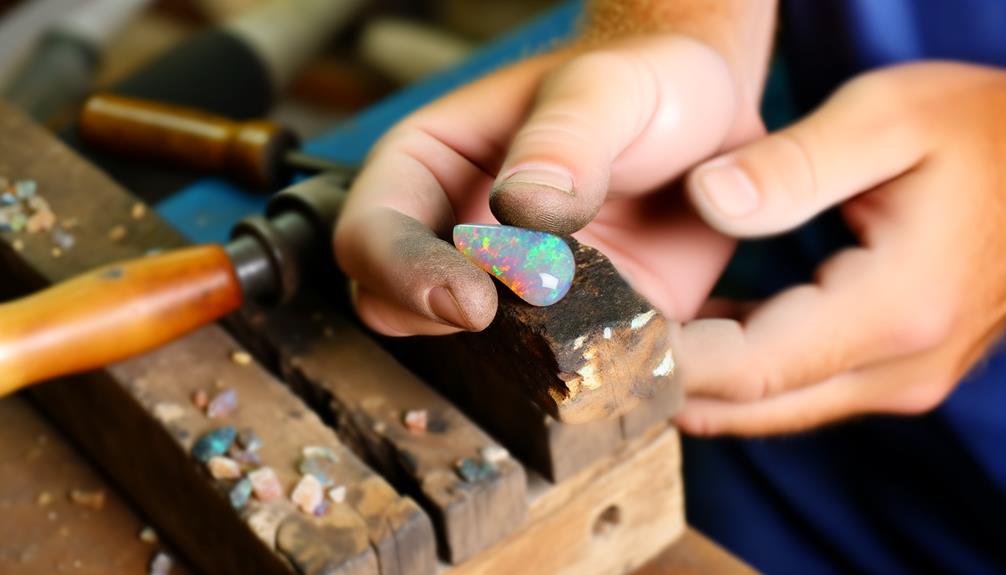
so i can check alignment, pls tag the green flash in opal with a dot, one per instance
(537, 266)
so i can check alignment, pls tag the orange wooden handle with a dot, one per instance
(250, 151)
(113, 313)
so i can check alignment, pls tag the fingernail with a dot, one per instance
(443, 304)
(729, 189)
(544, 176)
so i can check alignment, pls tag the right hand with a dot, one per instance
(581, 141)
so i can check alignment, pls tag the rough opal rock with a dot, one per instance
(214, 443)
(536, 266)
(241, 493)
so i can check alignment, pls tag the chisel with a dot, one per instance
(127, 308)
(259, 153)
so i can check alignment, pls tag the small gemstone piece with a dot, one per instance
(307, 494)
(473, 471)
(241, 357)
(222, 404)
(224, 468)
(161, 564)
(168, 412)
(337, 494)
(240, 493)
(249, 440)
(265, 484)
(319, 451)
(494, 454)
(200, 398)
(148, 535)
(248, 459)
(214, 443)
(537, 266)
(322, 508)
(416, 420)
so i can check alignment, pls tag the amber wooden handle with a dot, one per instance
(113, 313)
(251, 151)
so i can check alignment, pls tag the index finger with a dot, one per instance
(434, 168)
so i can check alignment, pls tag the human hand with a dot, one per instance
(915, 157)
(579, 141)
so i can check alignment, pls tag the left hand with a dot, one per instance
(916, 157)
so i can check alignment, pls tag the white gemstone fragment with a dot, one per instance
(642, 319)
(666, 365)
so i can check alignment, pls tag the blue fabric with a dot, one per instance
(878, 495)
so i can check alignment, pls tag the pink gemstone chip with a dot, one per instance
(265, 484)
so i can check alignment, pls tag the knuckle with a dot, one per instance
(895, 107)
(796, 178)
(759, 383)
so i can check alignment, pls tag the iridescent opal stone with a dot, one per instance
(537, 266)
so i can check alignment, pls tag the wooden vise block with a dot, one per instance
(367, 395)
(137, 421)
(609, 518)
(593, 355)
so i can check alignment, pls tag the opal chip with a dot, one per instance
(537, 266)
(214, 443)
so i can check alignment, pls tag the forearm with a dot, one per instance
(740, 30)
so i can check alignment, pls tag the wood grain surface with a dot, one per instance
(366, 394)
(114, 413)
(43, 530)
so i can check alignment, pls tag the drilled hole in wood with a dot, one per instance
(607, 521)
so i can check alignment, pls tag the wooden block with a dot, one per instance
(694, 554)
(553, 449)
(119, 414)
(357, 385)
(610, 518)
(43, 530)
(593, 355)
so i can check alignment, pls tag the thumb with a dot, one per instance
(630, 116)
(857, 140)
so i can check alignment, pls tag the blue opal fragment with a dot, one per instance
(240, 493)
(472, 471)
(214, 443)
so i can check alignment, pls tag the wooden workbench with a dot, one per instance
(40, 535)
(405, 504)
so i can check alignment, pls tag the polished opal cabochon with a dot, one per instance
(537, 266)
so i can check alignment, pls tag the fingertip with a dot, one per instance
(389, 319)
(474, 315)
(542, 198)
(410, 269)
(474, 294)
(725, 196)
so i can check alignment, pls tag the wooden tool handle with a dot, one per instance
(113, 313)
(250, 151)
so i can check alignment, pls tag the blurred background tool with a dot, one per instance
(259, 153)
(406, 51)
(57, 72)
(238, 68)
